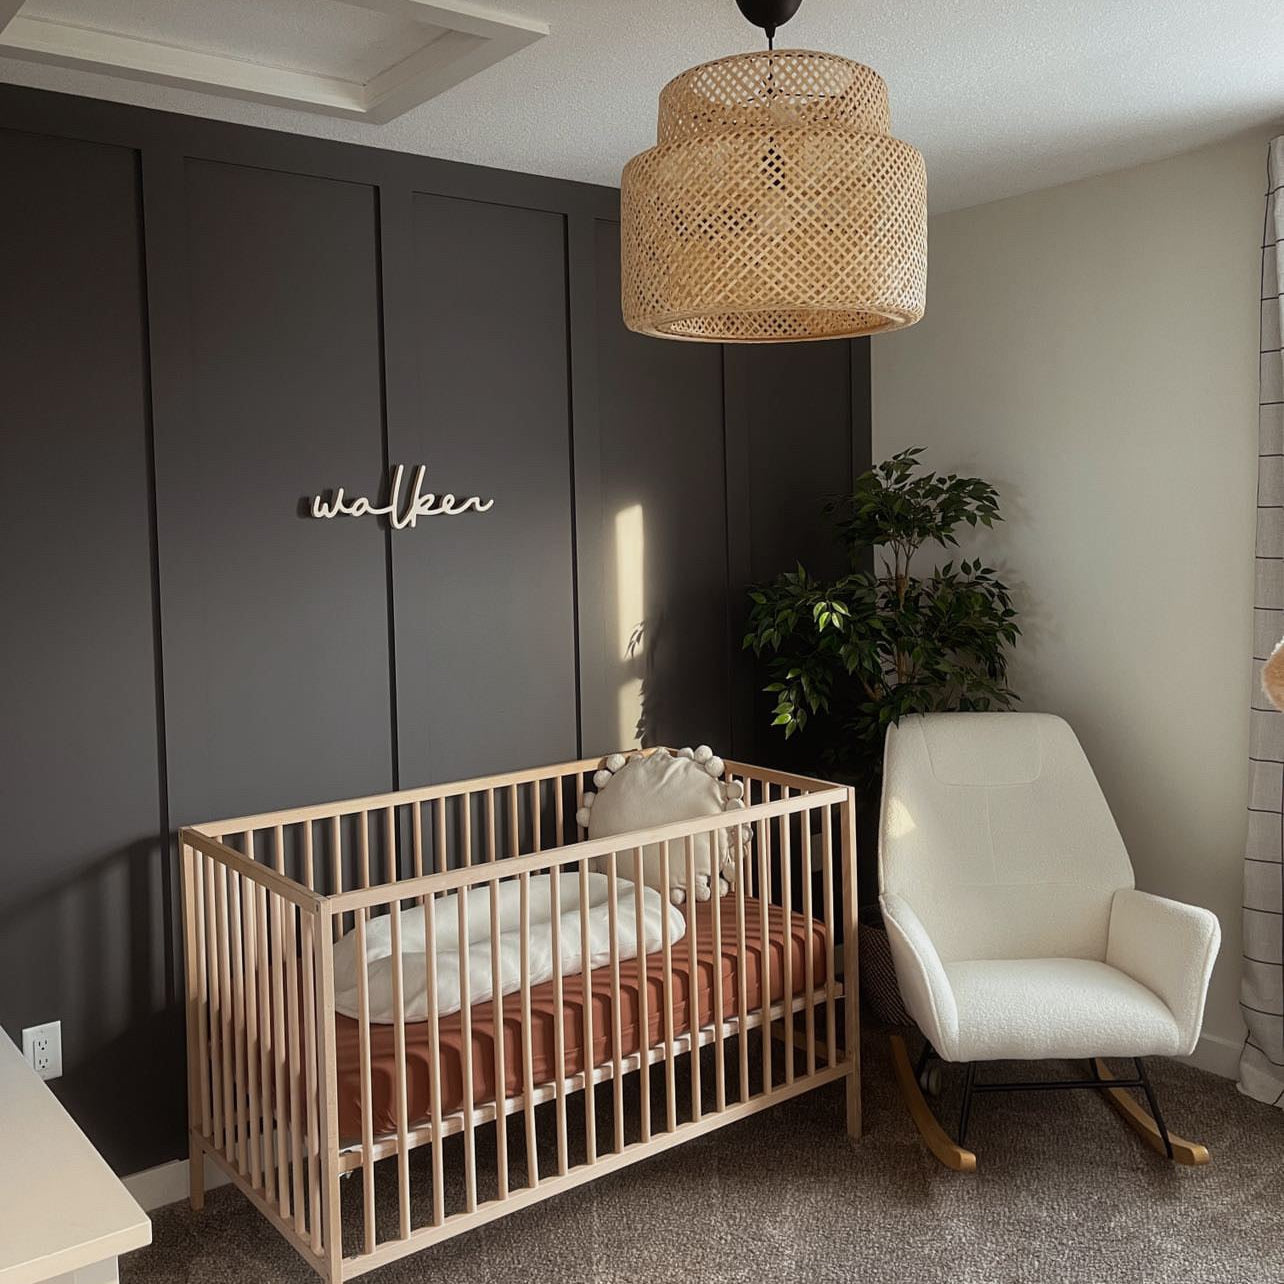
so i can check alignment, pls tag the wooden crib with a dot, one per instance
(287, 1096)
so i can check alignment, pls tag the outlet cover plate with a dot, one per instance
(42, 1046)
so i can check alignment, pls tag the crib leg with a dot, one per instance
(195, 1174)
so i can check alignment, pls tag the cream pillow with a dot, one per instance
(660, 788)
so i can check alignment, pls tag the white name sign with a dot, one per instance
(418, 503)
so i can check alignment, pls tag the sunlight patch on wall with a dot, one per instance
(629, 642)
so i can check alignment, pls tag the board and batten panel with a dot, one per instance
(277, 669)
(83, 934)
(664, 543)
(484, 602)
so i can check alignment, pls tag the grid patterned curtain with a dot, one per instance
(1261, 1067)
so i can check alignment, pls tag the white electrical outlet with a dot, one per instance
(42, 1046)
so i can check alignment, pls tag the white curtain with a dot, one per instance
(1261, 1067)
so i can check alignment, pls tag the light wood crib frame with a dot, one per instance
(261, 925)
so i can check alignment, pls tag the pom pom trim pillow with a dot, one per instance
(640, 791)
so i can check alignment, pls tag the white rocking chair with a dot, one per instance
(1015, 928)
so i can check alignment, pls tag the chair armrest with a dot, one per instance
(921, 976)
(1169, 948)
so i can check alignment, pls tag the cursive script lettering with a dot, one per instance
(419, 503)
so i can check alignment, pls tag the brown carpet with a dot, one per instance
(1064, 1193)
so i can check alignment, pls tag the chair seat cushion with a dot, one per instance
(1034, 1009)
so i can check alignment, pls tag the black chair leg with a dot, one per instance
(923, 1058)
(1153, 1104)
(965, 1111)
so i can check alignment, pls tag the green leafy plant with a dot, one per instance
(848, 657)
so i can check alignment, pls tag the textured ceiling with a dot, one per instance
(1002, 96)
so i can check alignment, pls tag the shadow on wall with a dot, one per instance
(97, 949)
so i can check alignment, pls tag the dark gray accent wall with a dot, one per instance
(204, 325)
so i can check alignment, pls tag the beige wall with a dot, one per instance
(1092, 350)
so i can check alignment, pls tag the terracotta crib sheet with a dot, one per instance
(383, 1058)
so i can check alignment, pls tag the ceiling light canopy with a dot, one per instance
(776, 205)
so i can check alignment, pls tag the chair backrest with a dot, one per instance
(996, 833)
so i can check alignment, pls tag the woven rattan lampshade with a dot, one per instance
(776, 206)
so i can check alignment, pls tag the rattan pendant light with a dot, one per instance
(776, 206)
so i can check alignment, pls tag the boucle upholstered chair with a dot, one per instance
(1015, 928)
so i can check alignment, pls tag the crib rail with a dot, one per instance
(267, 897)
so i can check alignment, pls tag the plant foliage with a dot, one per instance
(848, 657)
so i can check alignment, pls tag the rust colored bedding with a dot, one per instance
(383, 1059)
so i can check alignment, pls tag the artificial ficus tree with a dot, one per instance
(847, 657)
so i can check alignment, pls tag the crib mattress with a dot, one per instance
(383, 1055)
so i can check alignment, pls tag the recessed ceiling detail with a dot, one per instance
(366, 60)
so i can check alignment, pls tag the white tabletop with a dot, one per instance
(61, 1207)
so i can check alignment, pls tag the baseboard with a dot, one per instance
(1217, 1055)
(167, 1183)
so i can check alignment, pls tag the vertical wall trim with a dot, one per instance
(394, 245)
(735, 436)
(588, 515)
(154, 173)
(862, 421)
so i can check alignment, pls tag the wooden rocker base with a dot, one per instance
(938, 1142)
(1189, 1153)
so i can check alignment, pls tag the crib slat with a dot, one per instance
(249, 932)
(537, 818)
(417, 839)
(514, 830)
(237, 943)
(280, 1054)
(367, 1114)
(267, 1058)
(528, 1072)
(363, 847)
(440, 854)
(559, 1015)
(227, 1001)
(399, 1055)
(586, 1018)
(851, 963)
(466, 1037)
(490, 825)
(617, 1040)
(307, 923)
(666, 947)
(719, 1066)
(497, 1017)
(295, 1067)
(200, 862)
(336, 869)
(827, 895)
(787, 961)
(743, 871)
(332, 1219)
(434, 1059)
(644, 1014)
(693, 979)
(559, 807)
(215, 1004)
(809, 963)
(308, 869)
(466, 801)
(764, 936)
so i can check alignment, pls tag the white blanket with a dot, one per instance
(480, 980)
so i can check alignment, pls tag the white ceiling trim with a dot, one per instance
(472, 40)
